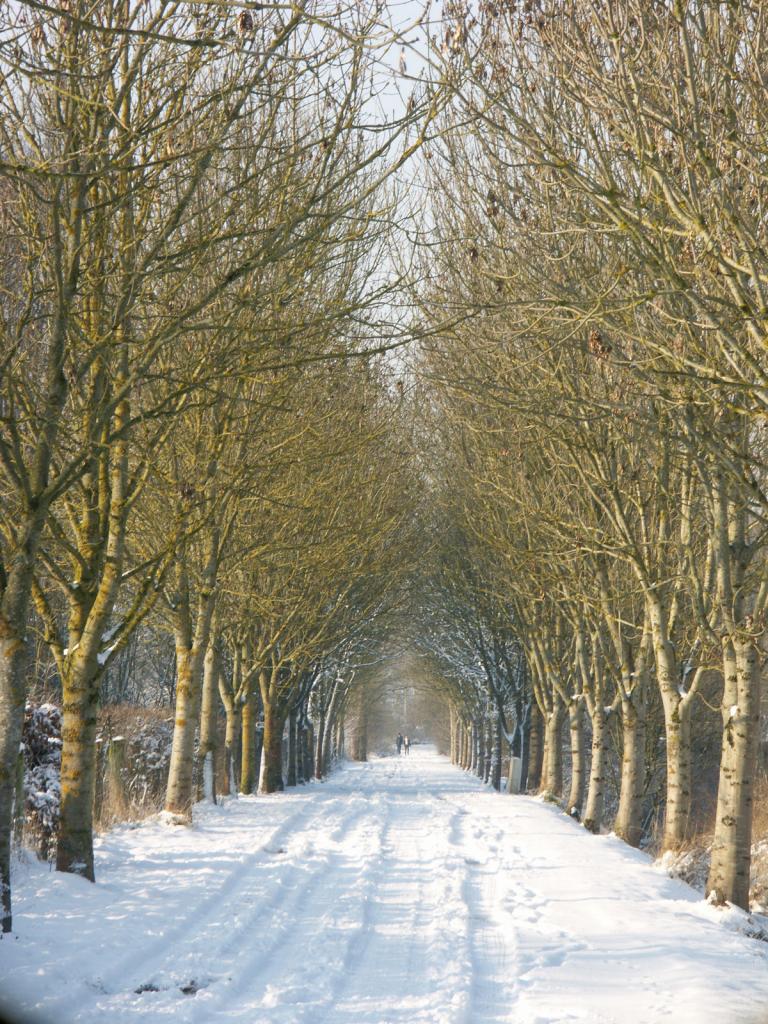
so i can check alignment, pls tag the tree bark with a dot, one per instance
(178, 798)
(360, 745)
(292, 773)
(535, 750)
(13, 670)
(232, 710)
(578, 757)
(495, 765)
(487, 732)
(320, 747)
(271, 774)
(552, 780)
(729, 873)
(192, 640)
(593, 813)
(678, 734)
(208, 745)
(308, 748)
(628, 824)
(327, 752)
(248, 762)
(678, 805)
(523, 743)
(74, 850)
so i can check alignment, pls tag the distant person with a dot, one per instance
(399, 742)
(406, 744)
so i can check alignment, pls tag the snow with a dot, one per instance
(111, 632)
(399, 890)
(103, 656)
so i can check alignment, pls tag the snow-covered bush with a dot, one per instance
(41, 741)
(150, 757)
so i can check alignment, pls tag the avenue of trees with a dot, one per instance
(598, 237)
(194, 424)
(221, 469)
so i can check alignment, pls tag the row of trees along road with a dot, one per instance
(196, 434)
(600, 210)
(193, 214)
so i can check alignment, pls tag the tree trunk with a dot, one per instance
(208, 746)
(477, 751)
(678, 804)
(522, 748)
(732, 845)
(178, 798)
(74, 851)
(327, 747)
(678, 735)
(304, 745)
(495, 765)
(193, 635)
(16, 581)
(309, 748)
(535, 749)
(628, 824)
(360, 745)
(13, 670)
(552, 782)
(339, 748)
(593, 814)
(320, 748)
(231, 741)
(271, 774)
(248, 763)
(292, 773)
(578, 757)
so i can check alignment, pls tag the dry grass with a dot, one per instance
(760, 819)
(139, 791)
(691, 861)
(759, 887)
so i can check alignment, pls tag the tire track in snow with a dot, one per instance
(279, 894)
(402, 965)
(359, 942)
(272, 899)
(258, 973)
(159, 957)
(354, 946)
(405, 893)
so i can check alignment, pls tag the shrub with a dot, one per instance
(41, 742)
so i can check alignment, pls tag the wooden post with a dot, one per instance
(117, 799)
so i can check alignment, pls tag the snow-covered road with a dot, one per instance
(399, 890)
